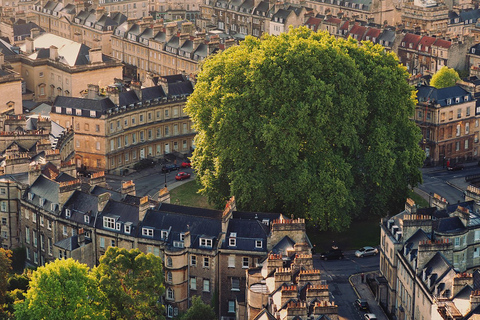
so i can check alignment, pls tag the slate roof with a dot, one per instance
(86, 105)
(441, 96)
(247, 233)
(176, 223)
(81, 204)
(114, 195)
(123, 214)
(6, 49)
(71, 243)
(450, 225)
(44, 188)
(282, 246)
(23, 30)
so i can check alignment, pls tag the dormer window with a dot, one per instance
(42, 201)
(473, 50)
(68, 213)
(147, 232)
(117, 226)
(93, 114)
(53, 206)
(258, 244)
(30, 196)
(206, 242)
(449, 101)
(182, 236)
(164, 234)
(86, 218)
(266, 222)
(128, 227)
(232, 242)
(466, 98)
(78, 112)
(457, 100)
(109, 222)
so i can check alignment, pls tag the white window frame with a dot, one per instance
(148, 232)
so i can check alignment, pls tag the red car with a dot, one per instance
(186, 164)
(182, 175)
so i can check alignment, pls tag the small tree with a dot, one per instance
(132, 284)
(61, 290)
(199, 311)
(445, 77)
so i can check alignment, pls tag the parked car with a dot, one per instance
(362, 304)
(456, 167)
(182, 175)
(169, 168)
(332, 254)
(186, 164)
(370, 316)
(366, 251)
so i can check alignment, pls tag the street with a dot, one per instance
(337, 273)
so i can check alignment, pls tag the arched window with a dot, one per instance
(169, 262)
(169, 276)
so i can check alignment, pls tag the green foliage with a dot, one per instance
(132, 284)
(199, 311)
(19, 256)
(61, 290)
(307, 125)
(445, 77)
(18, 281)
(5, 269)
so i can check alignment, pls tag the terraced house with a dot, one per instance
(115, 128)
(205, 252)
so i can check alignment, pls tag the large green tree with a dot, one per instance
(61, 290)
(445, 77)
(308, 125)
(132, 283)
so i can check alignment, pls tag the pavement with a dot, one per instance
(362, 290)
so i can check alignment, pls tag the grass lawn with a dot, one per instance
(419, 201)
(186, 195)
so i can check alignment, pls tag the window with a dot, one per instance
(27, 234)
(457, 146)
(231, 306)
(34, 238)
(206, 262)
(457, 241)
(476, 252)
(2, 191)
(245, 262)
(206, 285)
(258, 243)
(467, 128)
(169, 262)
(50, 246)
(97, 145)
(235, 284)
(141, 118)
(206, 242)
(3, 206)
(128, 228)
(147, 232)
(4, 221)
(169, 277)
(166, 113)
(459, 112)
(232, 242)
(34, 217)
(170, 294)
(193, 283)
(102, 242)
(109, 222)
(65, 233)
(67, 213)
(42, 221)
(86, 218)
(112, 243)
(97, 128)
(231, 261)
(193, 261)
(458, 130)
(466, 144)
(468, 108)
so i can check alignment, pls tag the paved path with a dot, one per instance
(363, 292)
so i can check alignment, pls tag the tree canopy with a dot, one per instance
(61, 290)
(308, 125)
(199, 311)
(132, 283)
(445, 77)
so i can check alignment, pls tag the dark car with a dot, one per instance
(169, 168)
(332, 254)
(362, 305)
(455, 167)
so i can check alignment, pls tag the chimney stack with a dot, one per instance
(28, 45)
(170, 31)
(34, 32)
(95, 55)
(53, 53)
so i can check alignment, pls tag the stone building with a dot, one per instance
(205, 252)
(449, 123)
(426, 16)
(54, 66)
(116, 132)
(11, 88)
(423, 255)
(91, 27)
